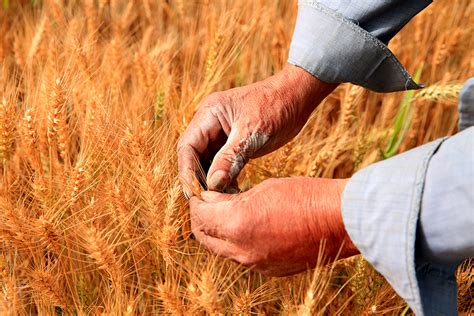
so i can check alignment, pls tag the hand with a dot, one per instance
(277, 227)
(233, 126)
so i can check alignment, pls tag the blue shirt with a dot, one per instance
(411, 216)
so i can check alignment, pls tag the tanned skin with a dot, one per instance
(278, 226)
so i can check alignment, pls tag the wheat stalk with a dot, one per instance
(57, 126)
(92, 217)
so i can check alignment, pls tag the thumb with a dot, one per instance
(232, 157)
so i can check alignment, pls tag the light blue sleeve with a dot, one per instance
(445, 233)
(380, 209)
(412, 216)
(345, 41)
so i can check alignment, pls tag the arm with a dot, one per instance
(341, 43)
(279, 226)
(422, 203)
(368, 199)
(422, 200)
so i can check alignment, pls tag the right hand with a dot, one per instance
(278, 227)
(236, 125)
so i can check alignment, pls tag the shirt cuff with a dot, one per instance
(380, 209)
(335, 50)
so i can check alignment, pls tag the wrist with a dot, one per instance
(302, 87)
(347, 246)
(326, 220)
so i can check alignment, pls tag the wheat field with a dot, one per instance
(93, 98)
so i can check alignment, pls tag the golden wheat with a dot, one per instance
(94, 96)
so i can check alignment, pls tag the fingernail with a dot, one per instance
(219, 180)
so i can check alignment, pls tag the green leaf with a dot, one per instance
(402, 121)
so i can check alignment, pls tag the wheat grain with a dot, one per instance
(440, 92)
(77, 183)
(35, 43)
(103, 254)
(48, 235)
(57, 127)
(169, 296)
(47, 287)
(7, 130)
(208, 297)
(89, 190)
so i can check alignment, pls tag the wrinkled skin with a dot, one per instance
(247, 122)
(277, 227)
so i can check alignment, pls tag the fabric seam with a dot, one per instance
(365, 35)
(414, 217)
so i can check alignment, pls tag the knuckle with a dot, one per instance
(194, 229)
(243, 260)
(215, 97)
(194, 217)
(266, 272)
(184, 139)
(270, 182)
(228, 156)
(213, 100)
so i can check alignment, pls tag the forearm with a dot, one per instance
(325, 217)
(348, 248)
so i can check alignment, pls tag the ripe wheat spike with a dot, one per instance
(93, 98)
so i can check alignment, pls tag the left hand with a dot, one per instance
(277, 227)
(233, 126)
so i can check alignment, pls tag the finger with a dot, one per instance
(207, 217)
(187, 169)
(215, 197)
(218, 246)
(194, 143)
(212, 224)
(232, 157)
(218, 216)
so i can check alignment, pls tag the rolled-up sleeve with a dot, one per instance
(380, 209)
(446, 226)
(345, 41)
(411, 216)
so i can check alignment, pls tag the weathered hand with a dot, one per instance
(276, 227)
(233, 126)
